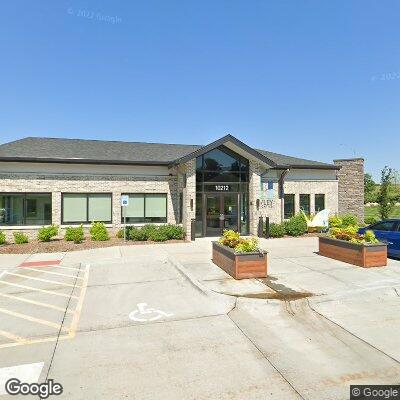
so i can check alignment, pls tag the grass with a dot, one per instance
(373, 211)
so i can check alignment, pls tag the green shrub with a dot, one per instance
(172, 231)
(47, 232)
(137, 234)
(2, 237)
(74, 234)
(20, 238)
(296, 226)
(276, 230)
(157, 235)
(371, 220)
(247, 245)
(350, 234)
(369, 237)
(120, 233)
(349, 220)
(148, 229)
(335, 221)
(98, 232)
(230, 238)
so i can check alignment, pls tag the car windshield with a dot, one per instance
(384, 226)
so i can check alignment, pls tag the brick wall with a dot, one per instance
(351, 187)
(57, 184)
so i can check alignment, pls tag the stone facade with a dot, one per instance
(272, 208)
(254, 195)
(351, 187)
(187, 185)
(57, 184)
(174, 182)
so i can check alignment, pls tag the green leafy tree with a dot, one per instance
(384, 196)
(369, 189)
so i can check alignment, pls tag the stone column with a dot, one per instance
(351, 187)
(189, 197)
(254, 194)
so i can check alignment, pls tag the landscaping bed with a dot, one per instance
(361, 254)
(48, 240)
(240, 258)
(60, 245)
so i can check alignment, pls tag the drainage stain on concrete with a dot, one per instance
(279, 292)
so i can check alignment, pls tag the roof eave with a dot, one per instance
(308, 166)
(218, 143)
(81, 161)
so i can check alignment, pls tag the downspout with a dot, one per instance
(281, 192)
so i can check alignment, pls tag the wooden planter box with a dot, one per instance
(239, 265)
(363, 255)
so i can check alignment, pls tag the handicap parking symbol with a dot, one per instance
(145, 314)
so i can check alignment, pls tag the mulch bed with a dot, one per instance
(60, 245)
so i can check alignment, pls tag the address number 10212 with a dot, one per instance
(222, 188)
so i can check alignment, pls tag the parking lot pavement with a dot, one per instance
(147, 322)
(319, 358)
(146, 332)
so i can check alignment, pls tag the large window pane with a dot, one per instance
(100, 207)
(145, 208)
(305, 203)
(12, 209)
(134, 212)
(25, 209)
(289, 206)
(156, 207)
(319, 202)
(74, 208)
(38, 209)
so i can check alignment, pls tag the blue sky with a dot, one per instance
(313, 79)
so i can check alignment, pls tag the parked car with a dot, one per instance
(387, 231)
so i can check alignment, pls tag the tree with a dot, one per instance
(369, 189)
(384, 200)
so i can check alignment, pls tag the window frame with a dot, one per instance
(309, 202)
(144, 208)
(315, 202)
(87, 194)
(284, 205)
(24, 207)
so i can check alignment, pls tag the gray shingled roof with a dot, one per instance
(113, 152)
(95, 150)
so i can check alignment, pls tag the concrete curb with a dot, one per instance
(229, 301)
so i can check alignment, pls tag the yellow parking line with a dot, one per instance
(32, 341)
(39, 290)
(78, 309)
(32, 319)
(51, 272)
(42, 280)
(11, 336)
(38, 303)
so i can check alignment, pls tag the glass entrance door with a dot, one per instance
(221, 213)
(230, 211)
(213, 214)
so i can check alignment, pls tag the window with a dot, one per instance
(319, 202)
(25, 209)
(84, 208)
(144, 208)
(289, 206)
(221, 165)
(305, 203)
(384, 226)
